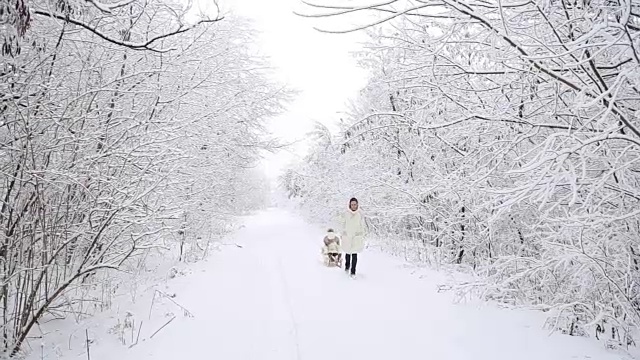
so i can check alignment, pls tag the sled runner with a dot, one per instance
(331, 259)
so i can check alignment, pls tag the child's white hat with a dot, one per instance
(330, 234)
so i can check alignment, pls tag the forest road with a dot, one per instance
(271, 298)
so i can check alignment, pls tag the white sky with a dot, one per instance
(317, 64)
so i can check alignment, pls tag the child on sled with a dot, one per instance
(331, 249)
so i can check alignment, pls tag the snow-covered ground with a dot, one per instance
(270, 297)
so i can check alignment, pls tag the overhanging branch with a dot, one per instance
(147, 45)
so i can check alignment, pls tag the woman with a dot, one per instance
(352, 236)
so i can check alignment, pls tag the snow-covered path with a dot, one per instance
(273, 299)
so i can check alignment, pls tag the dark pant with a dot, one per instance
(351, 262)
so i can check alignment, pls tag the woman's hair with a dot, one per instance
(329, 230)
(353, 199)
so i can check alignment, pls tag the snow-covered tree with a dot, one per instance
(124, 127)
(503, 136)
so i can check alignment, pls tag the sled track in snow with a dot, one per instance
(287, 296)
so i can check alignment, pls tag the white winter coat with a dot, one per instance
(352, 232)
